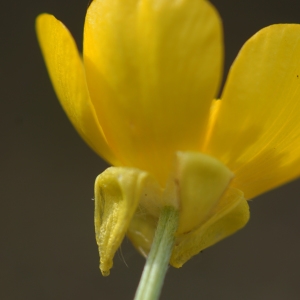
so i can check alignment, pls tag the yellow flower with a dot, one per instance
(142, 98)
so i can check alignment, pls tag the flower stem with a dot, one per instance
(158, 259)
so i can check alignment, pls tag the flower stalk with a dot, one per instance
(156, 266)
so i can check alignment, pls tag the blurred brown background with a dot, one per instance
(48, 249)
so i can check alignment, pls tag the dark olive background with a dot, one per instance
(48, 249)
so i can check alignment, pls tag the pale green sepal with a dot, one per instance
(141, 231)
(209, 209)
(230, 215)
(117, 194)
(201, 181)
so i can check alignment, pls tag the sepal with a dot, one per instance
(201, 180)
(118, 191)
(230, 215)
(210, 209)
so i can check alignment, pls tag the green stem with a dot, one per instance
(158, 259)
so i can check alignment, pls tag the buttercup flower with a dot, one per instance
(143, 98)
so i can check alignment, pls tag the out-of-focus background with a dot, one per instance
(48, 249)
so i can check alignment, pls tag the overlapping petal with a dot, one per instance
(153, 68)
(256, 130)
(68, 78)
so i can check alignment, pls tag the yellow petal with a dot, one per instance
(117, 195)
(153, 68)
(201, 181)
(68, 78)
(257, 129)
(230, 215)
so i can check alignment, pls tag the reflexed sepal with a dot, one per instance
(141, 232)
(230, 215)
(209, 209)
(117, 195)
(201, 180)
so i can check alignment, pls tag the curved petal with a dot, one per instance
(68, 78)
(153, 68)
(117, 194)
(257, 127)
